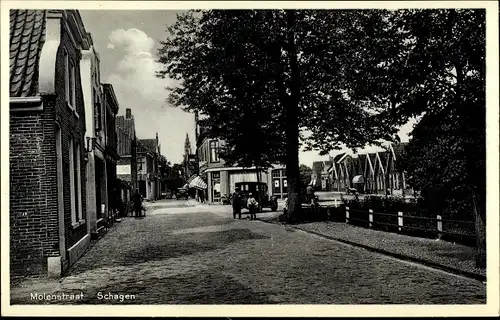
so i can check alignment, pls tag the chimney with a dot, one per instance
(128, 113)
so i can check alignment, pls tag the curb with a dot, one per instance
(424, 262)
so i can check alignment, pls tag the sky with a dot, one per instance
(127, 42)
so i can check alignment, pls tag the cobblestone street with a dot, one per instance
(184, 255)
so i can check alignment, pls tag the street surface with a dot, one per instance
(183, 253)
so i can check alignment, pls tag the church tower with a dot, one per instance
(187, 146)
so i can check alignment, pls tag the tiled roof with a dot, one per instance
(146, 145)
(384, 155)
(326, 166)
(373, 159)
(362, 158)
(338, 157)
(27, 36)
(355, 162)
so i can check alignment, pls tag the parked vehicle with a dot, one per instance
(259, 191)
(182, 193)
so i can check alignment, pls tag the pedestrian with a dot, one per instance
(252, 205)
(309, 194)
(202, 196)
(137, 203)
(236, 202)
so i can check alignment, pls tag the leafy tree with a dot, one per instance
(446, 82)
(172, 175)
(305, 175)
(262, 78)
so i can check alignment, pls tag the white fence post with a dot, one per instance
(370, 217)
(346, 214)
(400, 220)
(439, 226)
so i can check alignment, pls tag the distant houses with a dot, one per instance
(126, 169)
(148, 176)
(221, 178)
(374, 172)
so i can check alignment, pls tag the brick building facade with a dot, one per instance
(126, 168)
(48, 219)
(111, 107)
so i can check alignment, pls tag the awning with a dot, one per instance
(358, 179)
(191, 179)
(197, 182)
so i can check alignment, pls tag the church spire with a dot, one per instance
(187, 145)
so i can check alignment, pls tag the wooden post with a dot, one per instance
(400, 220)
(370, 218)
(346, 214)
(439, 226)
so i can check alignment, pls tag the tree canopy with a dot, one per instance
(264, 77)
(350, 78)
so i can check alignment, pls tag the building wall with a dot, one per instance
(126, 147)
(278, 184)
(34, 194)
(71, 126)
(94, 125)
(34, 233)
(149, 184)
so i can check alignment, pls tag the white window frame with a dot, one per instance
(214, 152)
(66, 77)
(72, 83)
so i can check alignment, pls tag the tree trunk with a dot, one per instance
(292, 126)
(480, 224)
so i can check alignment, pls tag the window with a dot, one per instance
(141, 165)
(66, 76)
(216, 186)
(79, 184)
(72, 84)
(214, 151)
(97, 111)
(69, 80)
(283, 172)
(277, 188)
(72, 181)
(60, 173)
(276, 173)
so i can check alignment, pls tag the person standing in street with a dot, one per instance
(252, 205)
(137, 203)
(202, 196)
(236, 202)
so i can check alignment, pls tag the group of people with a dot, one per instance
(237, 202)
